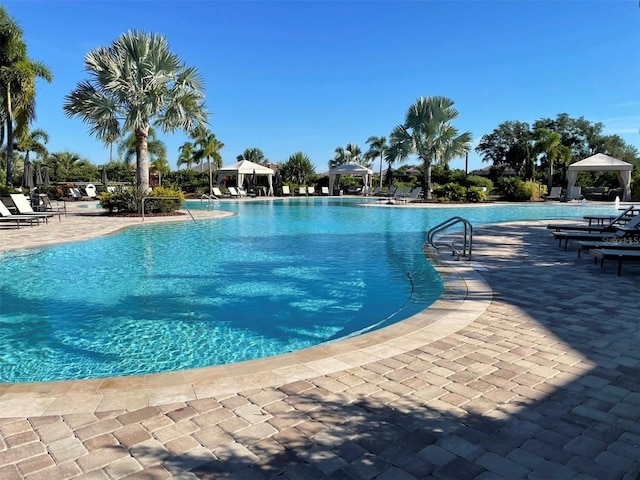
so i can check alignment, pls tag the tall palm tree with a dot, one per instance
(134, 84)
(62, 163)
(351, 153)
(18, 75)
(428, 134)
(186, 155)
(377, 148)
(208, 148)
(549, 144)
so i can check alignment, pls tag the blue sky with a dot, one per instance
(312, 76)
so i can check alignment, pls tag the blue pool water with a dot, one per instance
(280, 276)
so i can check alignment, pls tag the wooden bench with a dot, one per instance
(616, 253)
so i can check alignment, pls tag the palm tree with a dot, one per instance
(351, 153)
(35, 142)
(377, 148)
(549, 144)
(427, 133)
(61, 164)
(156, 148)
(298, 169)
(161, 167)
(208, 148)
(186, 155)
(18, 74)
(136, 83)
(254, 155)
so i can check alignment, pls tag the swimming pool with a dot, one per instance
(280, 276)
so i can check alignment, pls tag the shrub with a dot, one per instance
(164, 205)
(476, 194)
(478, 181)
(451, 192)
(129, 200)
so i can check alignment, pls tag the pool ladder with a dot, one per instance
(468, 236)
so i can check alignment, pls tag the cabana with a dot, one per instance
(601, 162)
(350, 169)
(245, 167)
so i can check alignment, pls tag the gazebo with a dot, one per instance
(601, 162)
(350, 169)
(245, 167)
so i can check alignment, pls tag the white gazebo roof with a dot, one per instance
(350, 169)
(600, 162)
(247, 168)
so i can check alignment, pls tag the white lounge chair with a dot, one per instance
(311, 191)
(324, 191)
(7, 216)
(233, 192)
(302, 191)
(23, 206)
(218, 193)
(285, 190)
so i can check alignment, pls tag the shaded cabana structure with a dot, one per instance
(601, 162)
(352, 169)
(245, 167)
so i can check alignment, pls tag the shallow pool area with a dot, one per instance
(280, 276)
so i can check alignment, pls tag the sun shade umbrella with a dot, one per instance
(39, 180)
(27, 175)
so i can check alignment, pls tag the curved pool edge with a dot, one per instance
(465, 297)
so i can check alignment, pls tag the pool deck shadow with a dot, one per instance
(526, 367)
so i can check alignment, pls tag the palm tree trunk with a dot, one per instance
(380, 171)
(9, 180)
(142, 157)
(427, 179)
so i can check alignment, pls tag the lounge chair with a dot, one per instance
(302, 191)
(630, 230)
(616, 253)
(242, 192)
(554, 194)
(218, 193)
(23, 206)
(233, 192)
(57, 209)
(612, 226)
(595, 243)
(285, 190)
(7, 216)
(311, 191)
(415, 193)
(574, 193)
(324, 191)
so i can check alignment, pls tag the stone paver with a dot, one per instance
(541, 381)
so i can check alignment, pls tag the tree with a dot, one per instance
(351, 153)
(208, 148)
(578, 134)
(549, 144)
(186, 155)
(509, 145)
(67, 167)
(35, 142)
(377, 148)
(298, 169)
(156, 149)
(134, 84)
(428, 133)
(18, 74)
(254, 155)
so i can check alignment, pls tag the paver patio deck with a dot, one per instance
(527, 367)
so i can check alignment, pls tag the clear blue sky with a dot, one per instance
(312, 76)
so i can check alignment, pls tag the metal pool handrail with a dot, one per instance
(468, 235)
(166, 198)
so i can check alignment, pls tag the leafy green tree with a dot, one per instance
(298, 169)
(254, 155)
(578, 134)
(18, 75)
(377, 148)
(139, 82)
(120, 172)
(427, 132)
(509, 145)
